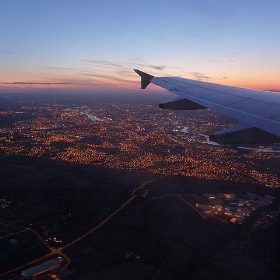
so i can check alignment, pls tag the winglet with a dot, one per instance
(145, 78)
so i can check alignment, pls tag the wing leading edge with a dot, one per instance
(258, 111)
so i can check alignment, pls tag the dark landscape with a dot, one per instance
(156, 236)
(131, 196)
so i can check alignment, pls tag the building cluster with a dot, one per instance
(41, 269)
(234, 208)
(133, 137)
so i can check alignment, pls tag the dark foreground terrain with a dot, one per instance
(113, 224)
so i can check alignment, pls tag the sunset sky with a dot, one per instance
(95, 44)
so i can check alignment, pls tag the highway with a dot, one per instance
(138, 191)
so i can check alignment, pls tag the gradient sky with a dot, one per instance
(95, 44)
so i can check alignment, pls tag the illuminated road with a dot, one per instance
(190, 205)
(184, 200)
(58, 251)
(53, 251)
(134, 195)
(100, 224)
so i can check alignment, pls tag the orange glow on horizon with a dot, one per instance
(131, 82)
(262, 84)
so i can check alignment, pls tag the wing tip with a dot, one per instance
(145, 78)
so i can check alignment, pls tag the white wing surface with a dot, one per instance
(258, 111)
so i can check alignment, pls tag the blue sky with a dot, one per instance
(96, 44)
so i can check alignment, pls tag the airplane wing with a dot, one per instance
(258, 111)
